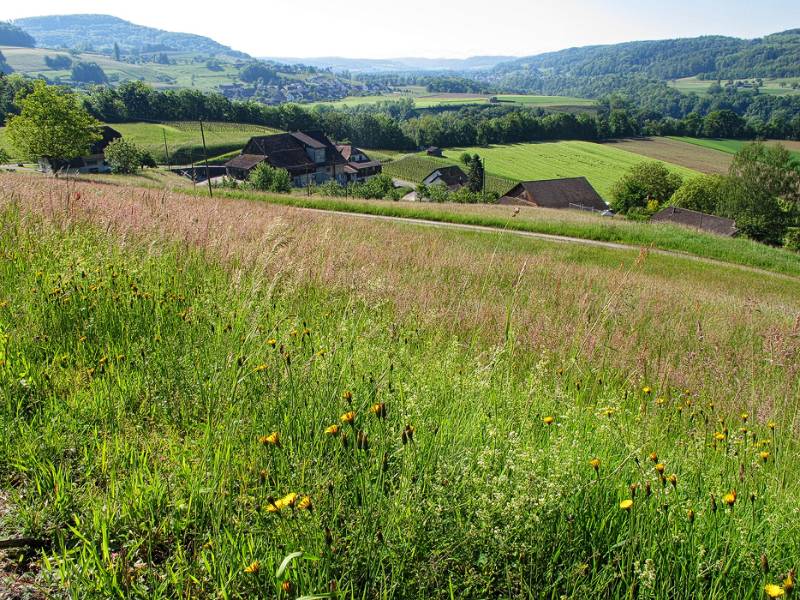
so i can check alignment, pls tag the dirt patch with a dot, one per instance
(680, 153)
(18, 575)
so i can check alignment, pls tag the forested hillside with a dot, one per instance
(709, 57)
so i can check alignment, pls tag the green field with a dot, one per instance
(733, 146)
(601, 164)
(423, 100)
(225, 399)
(183, 138)
(771, 86)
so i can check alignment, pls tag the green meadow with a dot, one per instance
(733, 146)
(235, 400)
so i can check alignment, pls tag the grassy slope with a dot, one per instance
(601, 164)
(185, 74)
(733, 146)
(132, 441)
(564, 223)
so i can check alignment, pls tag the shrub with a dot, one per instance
(704, 193)
(642, 183)
(4, 158)
(267, 178)
(791, 241)
(59, 62)
(123, 156)
(84, 72)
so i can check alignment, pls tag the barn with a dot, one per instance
(574, 192)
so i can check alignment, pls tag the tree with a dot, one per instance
(257, 71)
(52, 125)
(267, 178)
(5, 68)
(644, 186)
(4, 157)
(117, 53)
(703, 194)
(84, 72)
(475, 174)
(723, 124)
(123, 156)
(59, 62)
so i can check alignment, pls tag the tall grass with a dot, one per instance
(148, 359)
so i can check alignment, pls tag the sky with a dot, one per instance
(432, 28)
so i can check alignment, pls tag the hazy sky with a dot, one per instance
(432, 28)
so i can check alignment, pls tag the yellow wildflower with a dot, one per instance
(719, 436)
(660, 468)
(595, 463)
(379, 410)
(730, 499)
(273, 439)
(254, 567)
(260, 368)
(548, 420)
(626, 504)
(348, 417)
(332, 430)
(774, 591)
(654, 457)
(646, 389)
(272, 342)
(744, 417)
(305, 504)
(764, 455)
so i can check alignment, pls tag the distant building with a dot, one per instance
(359, 166)
(310, 157)
(451, 177)
(433, 151)
(696, 220)
(575, 192)
(94, 162)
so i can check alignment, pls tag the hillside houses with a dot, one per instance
(452, 177)
(309, 157)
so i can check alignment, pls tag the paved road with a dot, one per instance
(563, 239)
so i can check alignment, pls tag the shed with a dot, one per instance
(434, 151)
(696, 220)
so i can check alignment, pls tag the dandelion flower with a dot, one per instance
(690, 515)
(287, 586)
(379, 410)
(719, 436)
(332, 430)
(772, 425)
(788, 583)
(626, 504)
(764, 455)
(744, 417)
(348, 417)
(305, 504)
(253, 568)
(273, 439)
(660, 468)
(660, 401)
(548, 420)
(654, 457)
(774, 591)
(260, 368)
(272, 342)
(347, 395)
(730, 498)
(646, 390)
(595, 463)
(673, 479)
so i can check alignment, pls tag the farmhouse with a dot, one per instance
(452, 178)
(310, 157)
(574, 192)
(94, 162)
(434, 151)
(696, 220)
(359, 166)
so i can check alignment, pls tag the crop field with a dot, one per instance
(772, 86)
(231, 399)
(416, 167)
(601, 164)
(676, 151)
(733, 146)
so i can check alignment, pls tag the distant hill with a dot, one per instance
(99, 33)
(389, 65)
(11, 35)
(708, 57)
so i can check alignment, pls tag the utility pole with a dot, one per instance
(483, 179)
(205, 155)
(166, 150)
